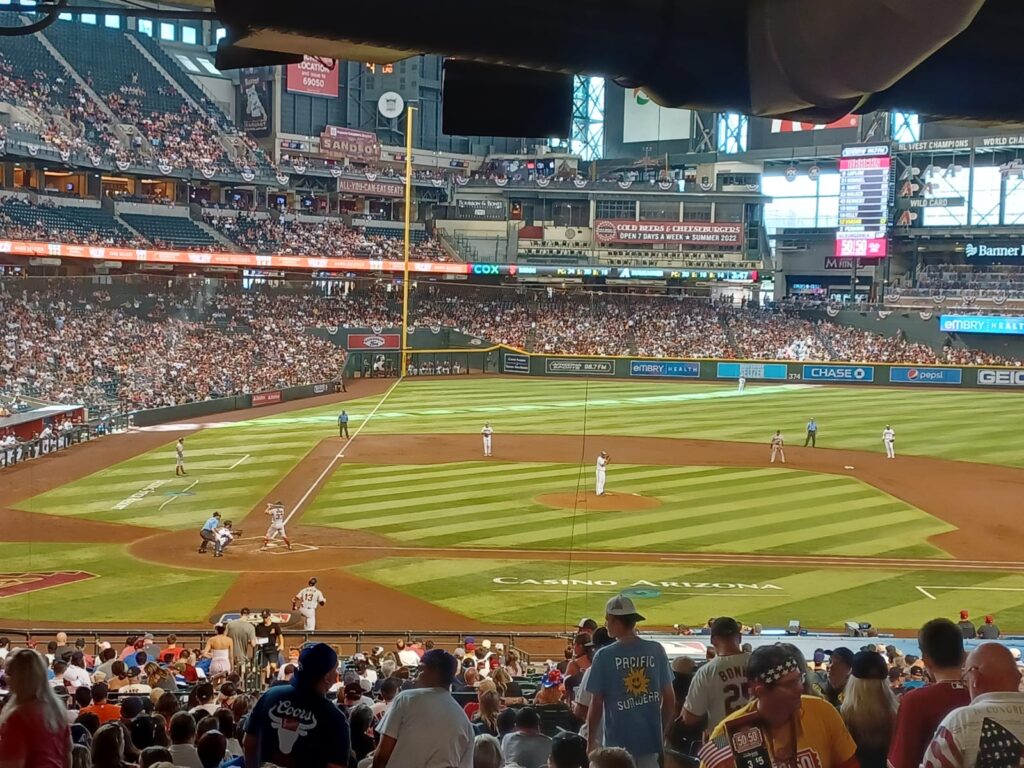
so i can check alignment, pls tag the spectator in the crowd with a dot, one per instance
(81, 757)
(599, 639)
(631, 685)
(869, 708)
(150, 756)
(527, 746)
(611, 757)
(485, 720)
(793, 724)
(211, 748)
(34, 730)
(838, 672)
(108, 748)
(242, 632)
(551, 688)
(148, 731)
(425, 726)
(922, 709)
(487, 752)
(568, 750)
(103, 709)
(182, 730)
(360, 722)
(988, 731)
(296, 723)
(719, 687)
(989, 630)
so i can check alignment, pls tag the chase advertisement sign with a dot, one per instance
(564, 366)
(668, 369)
(909, 375)
(848, 373)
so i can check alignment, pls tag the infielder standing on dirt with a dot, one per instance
(487, 432)
(602, 464)
(276, 512)
(306, 602)
(777, 443)
(889, 438)
(179, 457)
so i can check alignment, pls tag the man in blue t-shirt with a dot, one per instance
(208, 532)
(631, 684)
(295, 726)
(343, 424)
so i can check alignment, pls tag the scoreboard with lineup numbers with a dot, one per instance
(865, 172)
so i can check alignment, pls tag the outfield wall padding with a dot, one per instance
(195, 410)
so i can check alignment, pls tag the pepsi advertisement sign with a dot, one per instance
(908, 375)
(668, 369)
(854, 374)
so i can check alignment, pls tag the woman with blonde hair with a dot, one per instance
(108, 747)
(869, 708)
(512, 665)
(34, 730)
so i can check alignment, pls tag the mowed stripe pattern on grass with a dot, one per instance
(819, 598)
(704, 509)
(968, 425)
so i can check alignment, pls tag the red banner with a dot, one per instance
(340, 143)
(312, 77)
(704, 234)
(266, 398)
(203, 259)
(371, 188)
(792, 126)
(374, 341)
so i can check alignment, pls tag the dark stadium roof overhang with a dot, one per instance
(802, 59)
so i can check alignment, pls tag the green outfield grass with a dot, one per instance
(704, 509)
(125, 590)
(709, 509)
(671, 593)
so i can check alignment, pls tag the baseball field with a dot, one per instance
(408, 526)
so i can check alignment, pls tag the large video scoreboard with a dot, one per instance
(865, 172)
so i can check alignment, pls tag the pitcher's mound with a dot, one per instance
(591, 502)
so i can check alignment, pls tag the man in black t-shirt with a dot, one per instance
(268, 640)
(295, 725)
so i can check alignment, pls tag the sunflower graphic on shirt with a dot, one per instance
(637, 682)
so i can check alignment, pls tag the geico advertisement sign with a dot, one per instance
(989, 378)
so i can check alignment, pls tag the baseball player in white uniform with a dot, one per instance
(889, 438)
(487, 432)
(602, 471)
(179, 457)
(777, 443)
(276, 513)
(741, 384)
(306, 602)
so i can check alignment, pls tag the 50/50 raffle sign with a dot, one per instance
(311, 76)
(700, 233)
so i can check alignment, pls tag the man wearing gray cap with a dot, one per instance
(295, 726)
(631, 684)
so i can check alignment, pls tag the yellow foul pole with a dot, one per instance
(408, 227)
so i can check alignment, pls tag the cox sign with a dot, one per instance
(989, 378)
(485, 269)
(906, 375)
(850, 373)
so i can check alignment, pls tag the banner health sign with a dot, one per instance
(572, 367)
(974, 324)
(516, 363)
(906, 375)
(670, 370)
(855, 373)
(776, 371)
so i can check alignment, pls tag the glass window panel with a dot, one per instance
(145, 27)
(189, 35)
(787, 213)
(1014, 205)
(111, 21)
(166, 31)
(985, 204)
(88, 18)
(949, 181)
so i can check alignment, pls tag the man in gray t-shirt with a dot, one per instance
(526, 745)
(719, 688)
(242, 633)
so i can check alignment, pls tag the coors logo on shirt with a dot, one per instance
(291, 724)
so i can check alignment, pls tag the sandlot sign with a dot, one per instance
(512, 581)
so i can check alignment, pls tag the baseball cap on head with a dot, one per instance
(843, 654)
(622, 606)
(869, 665)
(316, 661)
(964, 615)
(353, 691)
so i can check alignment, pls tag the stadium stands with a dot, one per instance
(49, 222)
(176, 231)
